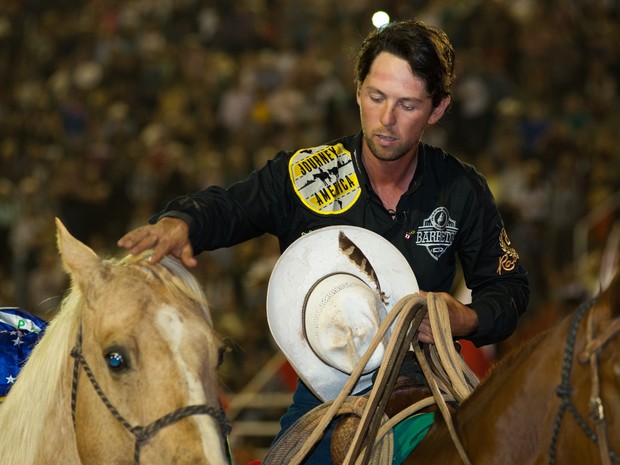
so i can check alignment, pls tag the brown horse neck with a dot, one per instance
(506, 411)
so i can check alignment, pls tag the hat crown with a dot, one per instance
(342, 316)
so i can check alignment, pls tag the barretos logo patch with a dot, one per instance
(437, 232)
(324, 178)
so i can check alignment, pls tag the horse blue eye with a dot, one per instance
(115, 360)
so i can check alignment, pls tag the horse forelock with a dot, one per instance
(173, 275)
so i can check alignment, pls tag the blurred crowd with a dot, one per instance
(109, 108)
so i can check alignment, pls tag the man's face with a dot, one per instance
(395, 108)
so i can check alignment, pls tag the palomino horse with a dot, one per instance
(556, 400)
(125, 374)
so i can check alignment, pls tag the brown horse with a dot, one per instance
(126, 373)
(555, 400)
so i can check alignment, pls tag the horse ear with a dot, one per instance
(79, 260)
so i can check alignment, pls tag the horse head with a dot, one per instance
(143, 371)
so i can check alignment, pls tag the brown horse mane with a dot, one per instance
(33, 403)
(609, 297)
(504, 367)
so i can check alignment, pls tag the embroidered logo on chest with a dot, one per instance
(437, 232)
(324, 179)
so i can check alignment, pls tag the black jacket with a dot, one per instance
(448, 212)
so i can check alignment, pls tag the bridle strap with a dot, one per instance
(597, 410)
(141, 433)
(564, 389)
(596, 344)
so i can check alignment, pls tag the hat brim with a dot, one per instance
(306, 261)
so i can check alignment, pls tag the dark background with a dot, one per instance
(110, 108)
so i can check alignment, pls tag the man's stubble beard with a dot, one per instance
(387, 155)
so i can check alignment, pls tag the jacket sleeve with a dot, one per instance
(492, 270)
(220, 217)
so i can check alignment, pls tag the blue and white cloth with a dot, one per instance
(19, 333)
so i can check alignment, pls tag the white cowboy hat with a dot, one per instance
(326, 298)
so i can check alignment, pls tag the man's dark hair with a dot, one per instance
(427, 49)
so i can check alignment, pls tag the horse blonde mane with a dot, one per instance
(43, 384)
(41, 394)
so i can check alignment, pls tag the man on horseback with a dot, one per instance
(435, 209)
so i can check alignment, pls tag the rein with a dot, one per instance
(373, 441)
(564, 389)
(141, 433)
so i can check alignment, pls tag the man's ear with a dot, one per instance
(439, 110)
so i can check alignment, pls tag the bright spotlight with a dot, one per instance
(380, 18)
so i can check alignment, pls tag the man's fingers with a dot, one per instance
(187, 256)
(138, 240)
(143, 243)
(162, 246)
(426, 338)
(169, 236)
(158, 253)
(165, 247)
(129, 240)
(425, 334)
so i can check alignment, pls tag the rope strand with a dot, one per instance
(373, 440)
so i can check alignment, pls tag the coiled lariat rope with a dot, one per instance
(373, 440)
